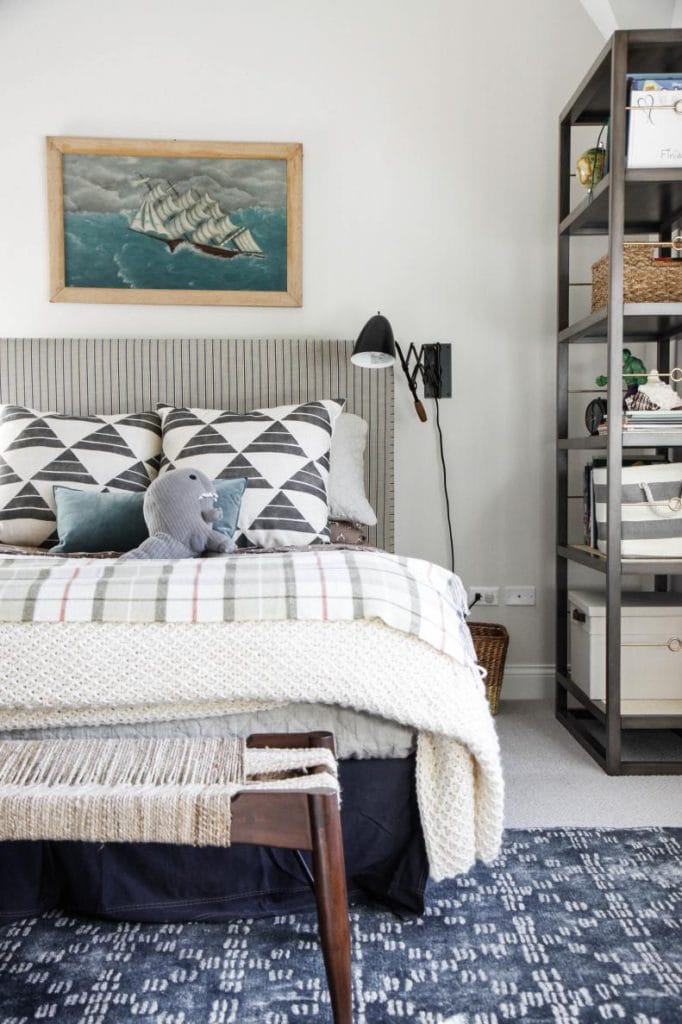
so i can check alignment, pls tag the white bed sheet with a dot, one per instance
(357, 734)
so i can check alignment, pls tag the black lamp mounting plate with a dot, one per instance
(431, 356)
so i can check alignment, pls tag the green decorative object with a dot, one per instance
(590, 166)
(633, 369)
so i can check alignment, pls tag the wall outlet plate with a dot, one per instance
(489, 596)
(519, 595)
(430, 372)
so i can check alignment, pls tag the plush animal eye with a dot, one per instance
(192, 476)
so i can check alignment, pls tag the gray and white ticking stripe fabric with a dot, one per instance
(407, 594)
(86, 376)
(651, 510)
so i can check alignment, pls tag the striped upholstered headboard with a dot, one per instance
(88, 375)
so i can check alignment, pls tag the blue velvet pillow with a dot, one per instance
(99, 520)
(114, 520)
(229, 502)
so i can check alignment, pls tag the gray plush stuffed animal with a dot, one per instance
(179, 511)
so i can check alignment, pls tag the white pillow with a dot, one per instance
(346, 485)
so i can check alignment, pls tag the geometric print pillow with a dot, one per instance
(283, 453)
(39, 450)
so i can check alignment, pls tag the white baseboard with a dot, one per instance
(528, 682)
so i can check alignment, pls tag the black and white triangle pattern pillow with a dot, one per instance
(38, 450)
(283, 453)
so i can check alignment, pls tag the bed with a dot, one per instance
(376, 651)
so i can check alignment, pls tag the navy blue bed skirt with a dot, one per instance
(383, 842)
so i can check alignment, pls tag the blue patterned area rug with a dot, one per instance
(570, 926)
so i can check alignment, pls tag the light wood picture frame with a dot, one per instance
(175, 222)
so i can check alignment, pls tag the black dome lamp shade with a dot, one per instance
(375, 347)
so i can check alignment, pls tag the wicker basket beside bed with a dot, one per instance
(491, 642)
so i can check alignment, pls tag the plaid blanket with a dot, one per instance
(407, 594)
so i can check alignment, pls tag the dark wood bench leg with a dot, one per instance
(332, 903)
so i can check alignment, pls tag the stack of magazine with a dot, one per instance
(649, 421)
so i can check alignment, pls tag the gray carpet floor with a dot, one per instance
(551, 781)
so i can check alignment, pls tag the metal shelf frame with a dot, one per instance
(651, 195)
(625, 202)
(632, 439)
(664, 567)
(642, 321)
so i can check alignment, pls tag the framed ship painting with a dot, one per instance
(204, 223)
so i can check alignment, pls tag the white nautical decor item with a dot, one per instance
(198, 220)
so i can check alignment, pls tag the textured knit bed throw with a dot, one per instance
(171, 790)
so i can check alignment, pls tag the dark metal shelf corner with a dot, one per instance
(583, 555)
(587, 723)
(651, 194)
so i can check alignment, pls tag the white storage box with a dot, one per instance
(651, 644)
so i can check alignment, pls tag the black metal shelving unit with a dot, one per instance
(624, 202)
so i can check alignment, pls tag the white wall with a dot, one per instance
(430, 137)
(609, 15)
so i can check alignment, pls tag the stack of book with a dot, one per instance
(656, 419)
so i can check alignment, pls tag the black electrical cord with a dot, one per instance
(435, 381)
(445, 483)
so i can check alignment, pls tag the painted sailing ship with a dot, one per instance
(193, 219)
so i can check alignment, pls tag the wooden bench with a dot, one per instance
(303, 818)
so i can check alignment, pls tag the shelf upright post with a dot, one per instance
(614, 451)
(563, 267)
(662, 582)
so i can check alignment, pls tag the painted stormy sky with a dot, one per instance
(109, 184)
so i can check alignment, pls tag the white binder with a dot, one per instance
(655, 128)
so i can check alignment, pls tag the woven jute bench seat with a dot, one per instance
(274, 790)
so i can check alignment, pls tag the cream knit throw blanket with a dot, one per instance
(167, 635)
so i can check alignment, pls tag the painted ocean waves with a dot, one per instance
(102, 251)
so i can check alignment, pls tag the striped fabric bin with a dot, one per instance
(651, 510)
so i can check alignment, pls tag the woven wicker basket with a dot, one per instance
(645, 279)
(491, 642)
